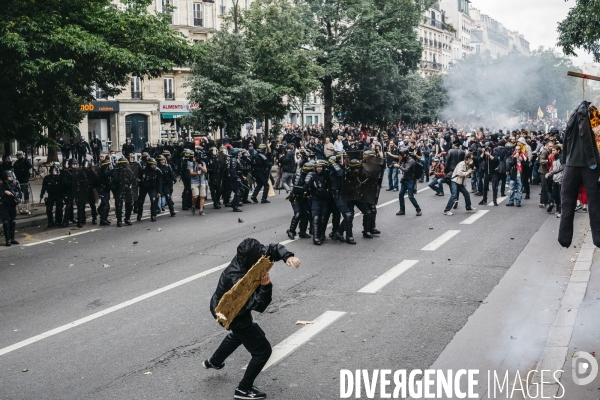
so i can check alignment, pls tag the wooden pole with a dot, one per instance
(583, 76)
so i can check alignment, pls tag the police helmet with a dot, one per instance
(188, 153)
(404, 152)
(321, 163)
(19, 153)
(145, 154)
(73, 161)
(151, 161)
(166, 153)
(160, 158)
(368, 153)
(332, 158)
(7, 174)
(309, 166)
(104, 163)
(354, 163)
(122, 160)
(262, 146)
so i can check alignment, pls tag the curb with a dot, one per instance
(557, 345)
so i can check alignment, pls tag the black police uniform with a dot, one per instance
(127, 150)
(318, 187)
(168, 180)
(22, 168)
(151, 185)
(83, 148)
(106, 182)
(53, 186)
(9, 206)
(214, 179)
(96, 145)
(260, 171)
(299, 201)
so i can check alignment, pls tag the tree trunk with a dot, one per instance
(328, 106)
(52, 152)
(266, 131)
(7, 147)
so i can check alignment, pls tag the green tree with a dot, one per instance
(376, 36)
(281, 55)
(53, 51)
(581, 29)
(223, 86)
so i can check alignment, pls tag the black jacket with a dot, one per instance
(408, 169)
(288, 164)
(579, 148)
(22, 168)
(248, 253)
(453, 158)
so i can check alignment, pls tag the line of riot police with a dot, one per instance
(334, 188)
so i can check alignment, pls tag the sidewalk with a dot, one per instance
(520, 325)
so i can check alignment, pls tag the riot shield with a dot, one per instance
(222, 168)
(351, 182)
(371, 177)
(216, 175)
(80, 185)
(129, 174)
(94, 181)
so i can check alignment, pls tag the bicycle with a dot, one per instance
(40, 169)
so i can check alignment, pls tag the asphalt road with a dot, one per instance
(152, 348)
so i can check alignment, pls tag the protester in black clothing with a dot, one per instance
(22, 168)
(243, 331)
(11, 196)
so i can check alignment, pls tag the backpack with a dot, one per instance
(419, 168)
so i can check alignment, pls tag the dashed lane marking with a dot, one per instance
(289, 345)
(474, 217)
(99, 314)
(59, 237)
(441, 240)
(499, 200)
(381, 281)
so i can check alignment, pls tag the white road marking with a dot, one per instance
(109, 310)
(474, 217)
(289, 345)
(499, 200)
(388, 276)
(59, 237)
(396, 200)
(441, 240)
(288, 241)
(422, 190)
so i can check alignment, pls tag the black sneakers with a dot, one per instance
(251, 394)
(206, 364)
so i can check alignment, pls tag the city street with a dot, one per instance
(122, 313)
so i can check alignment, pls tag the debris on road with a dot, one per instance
(158, 230)
(106, 265)
(240, 220)
(304, 322)
(25, 370)
(147, 373)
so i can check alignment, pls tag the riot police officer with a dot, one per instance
(11, 196)
(260, 171)
(215, 176)
(372, 207)
(186, 179)
(127, 148)
(299, 201)
(246, 167)
(318, 186)
(124, 190)
(151, 185)
(106, 178)
(337, 181)
(234, 169)
(168, 179)
(93, 184)
(67, 184)
(53, 186)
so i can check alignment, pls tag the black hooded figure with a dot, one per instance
(581, 161)
(242, 330)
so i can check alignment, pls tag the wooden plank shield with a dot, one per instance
(232, 302)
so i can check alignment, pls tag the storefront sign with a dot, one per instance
(176, 107)
(100, 106)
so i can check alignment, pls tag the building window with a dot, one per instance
(222, 7)
(98, 92)
(316, 119)
(246, 4)
(136, 87)
(198, 14)
(169, 92)
(309, 120)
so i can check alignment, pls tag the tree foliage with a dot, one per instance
(363, 37)
(222, 84)
(581, 29)
(53, 51)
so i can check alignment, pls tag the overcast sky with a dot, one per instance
(535, 19)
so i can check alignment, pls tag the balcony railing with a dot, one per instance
(434, 23)
(431, 65)
(136, 95)
(197, 21)
(169, 96)
(100, 94)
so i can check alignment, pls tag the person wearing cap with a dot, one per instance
(150, 185)
(490, 174)
(166, 198)
(22, 168)
(436, 173)
(186, 179)
(197, 170)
